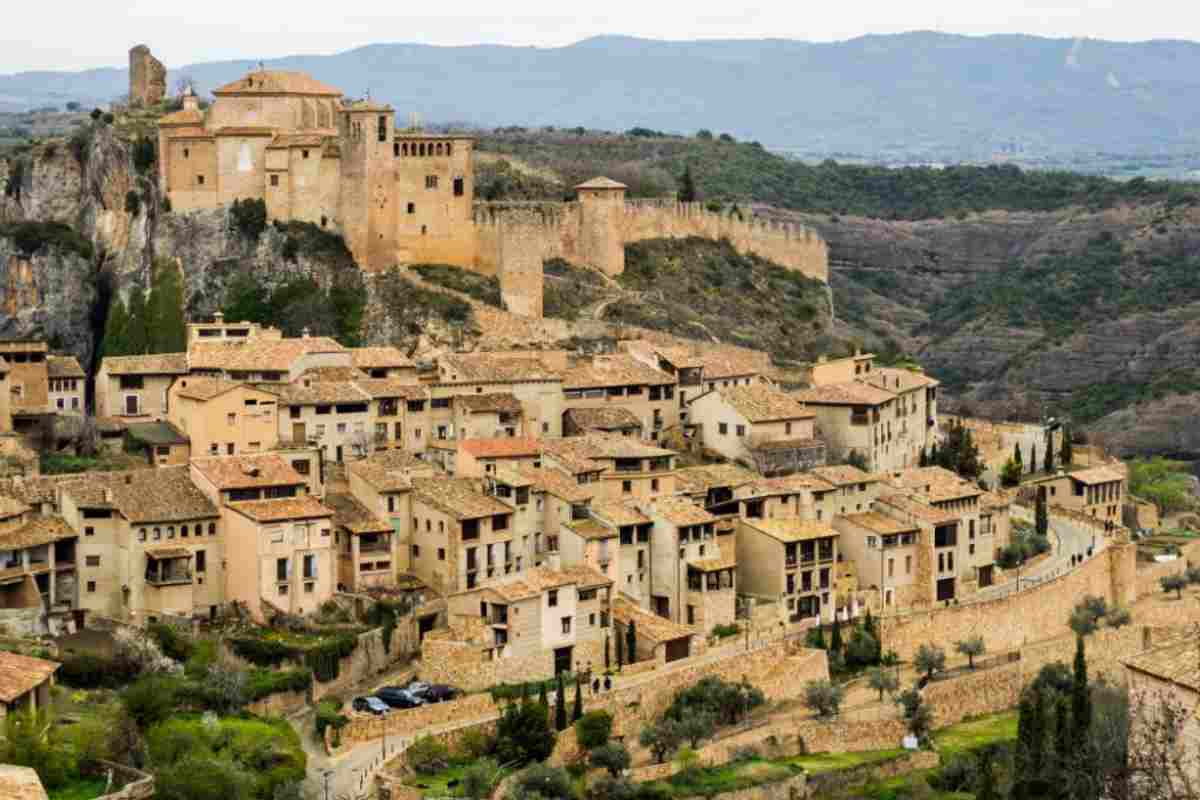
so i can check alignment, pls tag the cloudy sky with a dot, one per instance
(81, 34)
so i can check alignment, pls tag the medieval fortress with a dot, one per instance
(404, 196)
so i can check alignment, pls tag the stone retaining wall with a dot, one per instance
(135, 785)
(279, 704)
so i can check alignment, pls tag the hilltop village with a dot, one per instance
(418, 560)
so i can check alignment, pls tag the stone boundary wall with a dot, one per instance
(135, 784)
(1033, 614)
(279, 704)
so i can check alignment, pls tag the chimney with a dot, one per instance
(219, 318)
(304, 333)
(190, 101)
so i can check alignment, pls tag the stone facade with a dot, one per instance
(147, 78)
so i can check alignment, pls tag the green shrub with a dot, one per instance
(143, 154)
(249, 217)
(541, 780)
(263, 652)
(593, 729)
(175, 645)
(725, 631)
(265, 682)
(524, 734)
(484, 288)
(612, 757)
(86, 671)
(475, 743)
(152, 698)
(133, 202)
(427, 755)
(30, 237)
(479, 779)
(329, 715)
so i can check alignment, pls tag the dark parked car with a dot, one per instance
(370, 705)
(433, 692)
(398, 697)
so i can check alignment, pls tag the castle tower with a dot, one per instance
(602, 208)
(368, 203)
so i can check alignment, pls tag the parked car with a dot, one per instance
(399, 697)
(370, 705)
(433, 692)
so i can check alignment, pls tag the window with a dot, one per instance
(566, 625)
(301, 466)
(654, 484)
(552, 598)
(382, 127)
(157, 534)
(199, 180)
(201, 561)
(91, 587)
(229, 448)
(458, 187)
(212, 529)
(282, 569)
(431, 181)
(274, 180)
(304, 154)
(90, 531)
(92, 561)
(723, 428)
(441, 554)
(626, 487)
(412, 208)
(183, 531)
(310, 567)
(741, 430)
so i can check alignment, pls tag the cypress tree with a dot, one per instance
(115, 342)
(934, 456)
(1017, 454)
(631, 642)
(923, 460)
(620, 651)
(607, 656)
(687, 186)
(137, 334)
(542, 698)
(1021, 755)
(577, 711)
(1049, 463)
(165, 326)
(835, 636)
(1033, 458)
(986, 788)
(1067, 453)
(1063, 751)
(560, 707)
(524, 694)
(1041, 517)
(1081, 700)
(1037, 735)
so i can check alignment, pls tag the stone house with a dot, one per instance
(365, 545)
(67, 383)
(536, 384)
(28, 383)
(742, 423)
(136, 387)
(658, 639)
(398, 411)
(915, 425)
(891, 556)
(543, 622)
(590, 542)
(692, 577)
(382, 483)
(483, 416)
(1099, 491)
(38, 567)
(621, 381)
(333, 416)
(162, 443)
(384, 362)
(221, 417)
(633, 556)
(612, 420)
(791, 560)
(1164, 694)
(264, 476)
(852, 491)
(461, 538)
(25, 683)
(280, 551)
(558, 499)
(151, 545)
(264, 357)
(628, 469)
(475, 458)
(712, 485)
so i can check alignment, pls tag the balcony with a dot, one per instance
(169, 577)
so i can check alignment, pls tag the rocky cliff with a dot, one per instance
(1076, 312)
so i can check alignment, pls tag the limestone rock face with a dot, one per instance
(147, 78)
(48, 295)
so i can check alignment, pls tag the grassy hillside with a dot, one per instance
(727, 172)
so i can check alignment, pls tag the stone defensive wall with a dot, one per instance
(1148, 575)
(1031, 615)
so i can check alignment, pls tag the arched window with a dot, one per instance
(449, 149)
(422, 149)
(183, 531)
(212, 529)
(404, 149)
(439, 148)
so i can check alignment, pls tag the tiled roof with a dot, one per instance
(162, 494)
(502, 447)
(11, 507)
(721, 364)
(601, 182)
(896, 380)
(19, 674)
(458, 497)
(391, 470)
(791, 484)
(879, 523)
(258, 355)
(614, 370)
(202, 388)
(492, 368)
(557, 483)
(37, 530)
(592, 529)
(391, 387)
(1174, 662)
(694, 480)
(379, 358)
(157, 433)
(35, 490)
(160, 553)
(619, 512)
(850, 393)
(994, 500)
(791, 529)
(314, 374)
(843, 475)
(916, 509)
(248, 471)
(495, 401)
(271, 81)
(600, 445)
(187, 116)
(1101, 474)
(63, 367)
(585, 577)
(282, 508)
(322, 393)
(352, 515)
(763, 403)
(651, 626)
(161, 364)
(679, 511)
(283, 141)
(723, 561)
(606, 418)
(937, 483)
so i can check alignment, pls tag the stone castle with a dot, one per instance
(402, 196)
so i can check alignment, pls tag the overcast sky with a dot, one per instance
(80, 34)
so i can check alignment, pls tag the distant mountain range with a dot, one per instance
(908, 95)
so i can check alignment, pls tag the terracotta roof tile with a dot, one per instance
(763, 403)
(34, 491)
(1100, 474)
(1174, 662)
(502, 447)
(791, 529)
(331, 374)
(592, 529)
(896, 380)
(693, 480)
(379, 358)
(619, 512)
(321, 392)
(850, 393)
(679, 511)
(843, 475)
(248, 471)
(723, 561)
(19, 674)
(880, 523)
(914, 508)
(493, 368)
(458, 497)
(162, 494)
(496, 401)
(392, 387)
(273, 81)
(601, 182)
(37, 530)
(605, 418)
(63, 367)
(557, 483)
(187, 116)
(723, 364)
(11, 507)
(603, 446)
(352, 515)
(391, 470)
(994, 500)
(791, 484)
(282, 508)
(937, 483)
(161, 364)
(258, 354)
(651, 626)
(614, 370)
(161, 553)
(202, 388)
